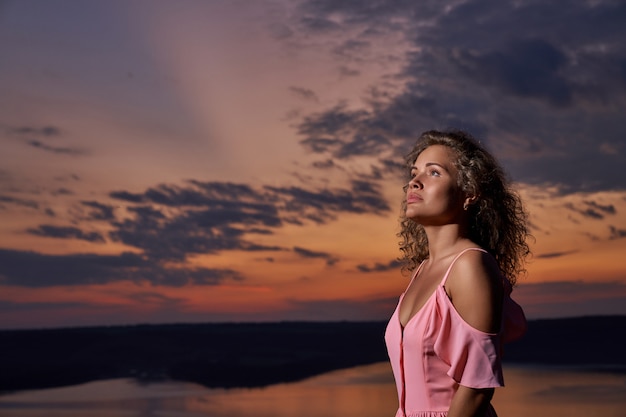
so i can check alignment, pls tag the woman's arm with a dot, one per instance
(470, 402)
(475, 289)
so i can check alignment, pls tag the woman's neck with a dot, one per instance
(445, 240)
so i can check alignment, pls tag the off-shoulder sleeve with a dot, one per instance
(472, 355)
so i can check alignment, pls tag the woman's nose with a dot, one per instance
(415, 182)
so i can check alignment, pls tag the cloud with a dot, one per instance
(48, 131)
(316, 24)
(617, 233)
(589, 213)
(306, 253)
(31, 269)
(326, 164)
(29, 307)
(352, 49)
(99, 211)
(554, 254)
(378, 267)
(168, 223)
(66, 232)
(155, 299)
(203, 218)
(348, 72)
(525, 68)
(544, 98)
(62, 191)
(64, 150)
(321, 206)
(607, 209)
(38, 137)
(208, 217)
(342, 133)
(19, 202)
(592, 210)
(304, 93)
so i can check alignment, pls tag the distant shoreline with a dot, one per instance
(230, 355)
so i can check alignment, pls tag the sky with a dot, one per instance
(209, 161)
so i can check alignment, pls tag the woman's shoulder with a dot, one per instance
(474, 263)
(474, 286)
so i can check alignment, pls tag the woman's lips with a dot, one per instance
(413, 198)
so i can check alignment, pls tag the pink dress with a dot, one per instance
(437, 350)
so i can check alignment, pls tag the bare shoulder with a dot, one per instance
(474, 286)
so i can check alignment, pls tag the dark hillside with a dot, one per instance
(250, 355)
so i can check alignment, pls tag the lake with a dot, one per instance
(364, 391)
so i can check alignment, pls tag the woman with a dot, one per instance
(464, 234)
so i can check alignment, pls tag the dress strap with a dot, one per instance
(445, 277)
(417, 271)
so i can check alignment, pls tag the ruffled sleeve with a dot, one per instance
(473, 356)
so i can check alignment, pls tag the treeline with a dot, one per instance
(258, 354)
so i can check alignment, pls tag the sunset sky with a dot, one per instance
(201, 161)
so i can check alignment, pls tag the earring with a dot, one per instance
(465, 206)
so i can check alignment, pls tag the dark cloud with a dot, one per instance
(608, 209)
(617, 233)
(67, 178)
(31, 269)
(306, 253)
(99, 211)
(127, 196)
(66, 232)
(550, 255)
(62, 191)
(15, 307)
(590, 211)
(209, 217)
(525, 68)
(316, 24)
(155, 298)
(321, 206)
(200, 224)
(348, 72)
(168, 223)
(55, 149)
(48, 131)
(378, 267)
(344, 133)
(352, 49)
(178, 237)
(19, 202)
(38, 137)
(545, 97)
(328, 163)
(304, 93)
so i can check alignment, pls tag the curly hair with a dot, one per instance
(497, 220)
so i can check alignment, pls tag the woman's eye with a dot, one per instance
(434, 173)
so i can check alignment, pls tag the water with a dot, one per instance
(365, 391)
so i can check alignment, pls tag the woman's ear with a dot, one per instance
(469, 201)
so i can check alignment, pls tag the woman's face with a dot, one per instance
(433, 196)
